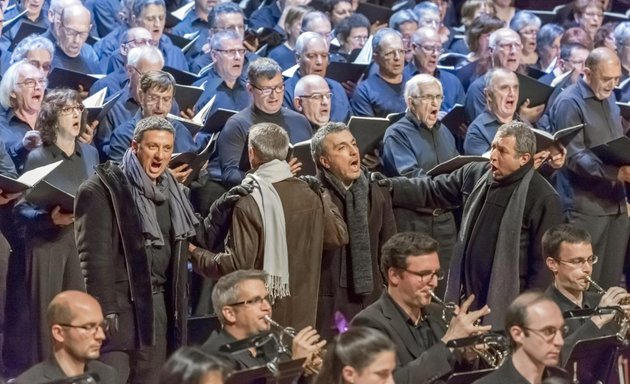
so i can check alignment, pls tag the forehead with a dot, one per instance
(86, 311)
(158, 92)
(28, 71)
(231, 43)
(508, 37)
(320, 25)
(38, 54)
(428, 36)
(316, 44)
(390, 40)
(155, 136)
(502, 79)
(152, 10)
(609, 68)
(544, 314)
(139, 33)
(579, 53)
(316, 86)
(229, 18)
(342, 5)
(252, 287)
(423, 262)
(334, 139)
(570, 250)
(358, 31)
(429, 88)
(506, 142)
(276, 80)
(145, 65)
(78, 21)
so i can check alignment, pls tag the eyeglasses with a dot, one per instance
(68, 109)
(427, 21)
(431, 48)
(155, 18)
(255, 301)
(318, 96)
(234, 28)
(439, 274)
(529, 32)
(267, 91)
(429, 98)
(140, 42)
(31, 83)
(153, 99)
(91, 328)
(41, 66)
(510, 46)
(594, 14)
(580, 261)
(71, 33)
(549, 333)
(231, 53)
(393, 53)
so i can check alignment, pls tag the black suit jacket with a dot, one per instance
(506, 373)
(49, 370)
(414, 364)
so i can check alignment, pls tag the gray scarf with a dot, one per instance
(503, 286)
(356, 215)
(276, 255)
(146, 194)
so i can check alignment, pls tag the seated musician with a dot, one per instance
(242, 304)
(404, 312)
(535, 327)
(569, 255)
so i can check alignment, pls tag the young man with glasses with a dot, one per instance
(536, 330)
(242, 304)
(77, 330)
(267, 89)
(404, 312)
(427, 48)
(569, 256)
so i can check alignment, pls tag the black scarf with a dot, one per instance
(356, 215)
(146, 194)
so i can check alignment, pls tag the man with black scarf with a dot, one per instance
(132, 227)
(350, 278)
(508, 206)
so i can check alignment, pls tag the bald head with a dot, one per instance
(602, 72)
(426, 48)
(425, 34)
(75, 11)
(313, 99)
(66, 305)
(74, 29)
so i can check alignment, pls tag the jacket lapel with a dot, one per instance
(399, 324)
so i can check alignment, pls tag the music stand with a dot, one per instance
(593, 358)
(287, 373)
(468, 377)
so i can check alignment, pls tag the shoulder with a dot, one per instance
(39, 373)
(106, 373)
(540, 187)
(87, 149)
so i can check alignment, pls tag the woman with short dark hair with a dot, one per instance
(191, 365)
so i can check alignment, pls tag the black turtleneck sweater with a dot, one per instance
(233, 138)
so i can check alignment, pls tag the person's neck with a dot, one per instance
(414, 313)
(392, 79)
(229, 81)
(531, 371)
(29, 117)
(577, 297)
(201, 14)
(420, 69)
(66, 144)
(290, 43)
(32, 16)
(68, 364)
(530, 58)
(504, 13)
(504, 119)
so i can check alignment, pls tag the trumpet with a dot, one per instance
(496, 349)
(621, 317)
(314, 363)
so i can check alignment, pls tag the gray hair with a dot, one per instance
(317, 141)
(226, 290)
(151, 123)
(223, 8)
(423, 33)
(523, 135)
(140, 5)
(378, 36)
(496, 36)
(9, 82)
(217, 38)
(303, 41)
(622, 35)
(311, 17)
(426, 7)
(412, 88)
(547, 34)
(269, 142)
(492, 73)
(30, 43)
(263, 67)
(401, 17)
(148, 53)
(524, 19)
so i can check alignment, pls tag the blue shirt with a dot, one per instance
(232, 141)
(121, 138)
(192, 23)
(173, 56)
(340, 106)
(284, 56)
(114, 82)
(104, 15)
(475, 102)
(109, 44)
(41, 21)
(411, 149)
(85, 62)
(12, 131)
(374, 97)
(480, 134)
(266, 16)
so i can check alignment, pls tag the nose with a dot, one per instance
(266, 306)
(100, 334)
(558, 339)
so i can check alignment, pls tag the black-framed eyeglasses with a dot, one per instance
(318, 96)
(231, 53)
(91, 328)
(72, 33)
(439, 274)
(431, 48)
(141, 42)
(267, 91)
(68, 109)
(258, 300)
(548, 333)
(580, 261)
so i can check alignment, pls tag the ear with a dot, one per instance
(134, 146)
(524, 159)
(214, 55)
(517, 334)
(297, 103)
(587, 74)
(349, 374)
(323, 160)
(57, 333)
(250, 88)
(487, 94)
(552, 264)
(133, 20)
(393, 277)
(229, 314)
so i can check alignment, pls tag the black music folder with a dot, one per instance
(61, 77)
(454, 119)
(615, 152)
(302, 151)
(47, 197)
(286, 373)
(343, 72)
(563, 136)
(27, 180)
(194, 160)
(375, 13)
(532, 89)
(187, 96)
(96, 106)
(368, 132)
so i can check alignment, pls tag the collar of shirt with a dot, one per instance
(422, 320)
(563, 301)
(585, 90)
(59, 153)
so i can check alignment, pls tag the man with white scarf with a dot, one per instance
(283, 227)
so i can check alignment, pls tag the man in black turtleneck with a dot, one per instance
(508, 206)
(267, 88)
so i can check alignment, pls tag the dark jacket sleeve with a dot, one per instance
(94, 228)
(231, 142)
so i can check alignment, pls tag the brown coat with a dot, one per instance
(313, 224)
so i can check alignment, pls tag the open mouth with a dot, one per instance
(155, 166)
(509, 104)
(355, 165)
(76, 125)
(434, 113)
